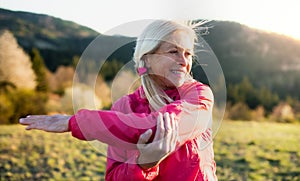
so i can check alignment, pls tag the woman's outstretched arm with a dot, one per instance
(193, 113)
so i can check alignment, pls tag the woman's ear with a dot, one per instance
(146, 60)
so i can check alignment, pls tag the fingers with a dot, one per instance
(25, 121)
(33, 122)
(207, 135)
(32, 119)
(164, 142)
(172, 131)
(160, 128)
(168, 131)
(167, 128)
(34, 126)
(144, 138)
(174, 136)
(166, 135)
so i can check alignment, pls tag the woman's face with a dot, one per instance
(172, 61)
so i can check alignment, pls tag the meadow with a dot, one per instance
(257, 151)
(243, 151)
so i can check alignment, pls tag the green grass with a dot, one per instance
(37, 155)
(243, 151)
(258, 151)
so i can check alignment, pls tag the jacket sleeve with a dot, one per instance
(207, 163)
(193, 112)
(196, 114)
(113, 127)
(120, 167)
(126, 168)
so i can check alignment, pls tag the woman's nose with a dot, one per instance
(183, 59)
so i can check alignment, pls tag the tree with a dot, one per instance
(6, 86)
(243, 92)
(39, 68)
(15, 64)
(268, 99)
(110, 69)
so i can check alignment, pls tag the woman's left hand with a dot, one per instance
(164, 142)
(55, 123)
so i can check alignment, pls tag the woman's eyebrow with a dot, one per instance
(181, 48)
(170, 45)
(173, 45)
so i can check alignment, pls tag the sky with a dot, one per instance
(105, 16)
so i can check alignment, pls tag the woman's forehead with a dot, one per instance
(179, 39)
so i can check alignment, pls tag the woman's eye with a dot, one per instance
(173, 51)
(188, 54)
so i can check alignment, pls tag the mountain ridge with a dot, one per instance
(58, 40)
(268, 59)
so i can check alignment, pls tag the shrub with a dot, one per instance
(26, 102)
(239, 111)
(6, 109)
(283, 112)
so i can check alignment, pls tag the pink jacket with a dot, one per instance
(131, 116)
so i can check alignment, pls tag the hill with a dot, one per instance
(267, 59)
(58, 40)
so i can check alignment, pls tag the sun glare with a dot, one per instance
(275, 16)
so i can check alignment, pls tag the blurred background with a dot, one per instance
(257, 45)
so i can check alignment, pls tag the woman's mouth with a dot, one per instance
(178, 72)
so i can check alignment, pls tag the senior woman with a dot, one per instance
(162, 130)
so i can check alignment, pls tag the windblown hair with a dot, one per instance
(148, 42)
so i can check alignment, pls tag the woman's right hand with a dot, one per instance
(55, 123)
(164, 142)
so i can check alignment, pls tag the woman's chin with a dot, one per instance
(170, 83)
(177, 83)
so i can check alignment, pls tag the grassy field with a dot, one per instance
(258, 151)
(243, 151)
